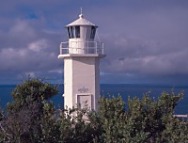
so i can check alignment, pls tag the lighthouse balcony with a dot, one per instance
(82, 48)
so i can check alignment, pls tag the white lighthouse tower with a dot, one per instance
(81, 54)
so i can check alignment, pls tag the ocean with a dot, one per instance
(123, 90)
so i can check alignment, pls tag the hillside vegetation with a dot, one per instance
(32, 118)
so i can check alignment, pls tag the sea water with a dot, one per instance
(123, 90)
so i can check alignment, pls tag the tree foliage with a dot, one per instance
(26, 112)
(142, 120)
(31, 118)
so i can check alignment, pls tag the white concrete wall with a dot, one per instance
(68, 83)
(97, 82)
(82, 79)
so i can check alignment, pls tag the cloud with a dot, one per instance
(149, 43)
(25, 49)
(38, 46)
(143, 39)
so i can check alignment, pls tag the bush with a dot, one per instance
(31, 118)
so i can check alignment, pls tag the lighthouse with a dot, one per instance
(81, 55)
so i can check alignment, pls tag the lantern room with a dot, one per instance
(81, 38)
(81, 29)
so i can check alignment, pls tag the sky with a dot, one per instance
(146, 41)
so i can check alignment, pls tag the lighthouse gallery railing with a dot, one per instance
(80, 47)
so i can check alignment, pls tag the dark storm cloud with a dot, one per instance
(143, 39)
(150, 42)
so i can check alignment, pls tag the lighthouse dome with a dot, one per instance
(81, 21)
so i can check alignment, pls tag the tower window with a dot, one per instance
(74, 32)
(70, 32)
(93, 31)
(77, 31)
